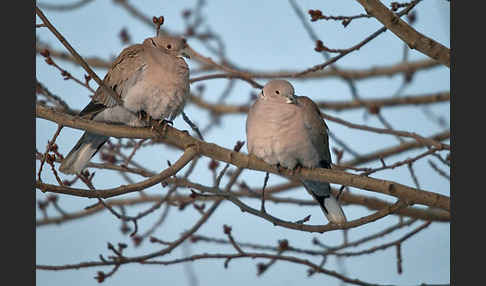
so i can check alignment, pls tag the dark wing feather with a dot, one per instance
(317, 129)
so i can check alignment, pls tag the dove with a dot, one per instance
(151, 79)
(287, 130)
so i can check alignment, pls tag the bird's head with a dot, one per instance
(280, 90)
(175, 46)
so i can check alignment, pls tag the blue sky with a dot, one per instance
(260, 35)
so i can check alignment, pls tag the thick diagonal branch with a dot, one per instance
(182, 140)
(409, 35)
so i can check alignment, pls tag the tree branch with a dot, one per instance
(78, 58)
(221, 108)
(188, 155)
(182, 140)
(375, 71)
(409, 35)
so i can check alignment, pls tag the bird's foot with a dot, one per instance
(164, 122)
(143, 116)
(279, 168)
(161, 125)
(296, 169)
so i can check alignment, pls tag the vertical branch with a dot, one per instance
(47, 157)
(158, 22)
(263, 192)
(399, 258)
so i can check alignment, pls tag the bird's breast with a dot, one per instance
(280, 137)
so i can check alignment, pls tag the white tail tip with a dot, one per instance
(334, 212)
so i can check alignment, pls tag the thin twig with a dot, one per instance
(263, 192)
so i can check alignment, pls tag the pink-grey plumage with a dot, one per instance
(287, 130)
(150, 78)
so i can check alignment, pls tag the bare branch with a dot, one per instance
(79, 59)
(182, 140)
(409, 35)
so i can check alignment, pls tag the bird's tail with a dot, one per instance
(82, 152)
(321, 191)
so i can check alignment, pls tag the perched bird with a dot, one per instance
(287, 130)
(152, 79)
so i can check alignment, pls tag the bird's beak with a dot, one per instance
(291, 100)
(184, 54)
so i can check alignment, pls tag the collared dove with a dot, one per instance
(150, 78)
(287, 130)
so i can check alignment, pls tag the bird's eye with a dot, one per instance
(277, 92)
(169, 46)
